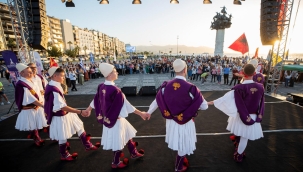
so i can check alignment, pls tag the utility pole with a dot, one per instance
(177, 44)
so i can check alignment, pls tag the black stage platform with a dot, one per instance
(279, 150)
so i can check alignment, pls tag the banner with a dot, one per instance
(11, 60)
(38, 62)
(91, 57)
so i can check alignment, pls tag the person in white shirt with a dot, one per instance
(73, 77)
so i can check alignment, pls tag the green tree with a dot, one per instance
(69, 43)
(71, 53)
(85, 48)
(54, 51)
(11, 43)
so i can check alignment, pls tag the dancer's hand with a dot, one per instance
(85, 113)
(210, 103)
(148, 116)
(144, 115)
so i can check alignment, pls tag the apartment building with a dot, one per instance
(6, 27)
(84, 39)
(55, 33)
(67, 34)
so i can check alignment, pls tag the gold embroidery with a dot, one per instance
(103, 91)
(260, 116)
(248, 119)
(259, 79)
(106, 120)
(166, 113)
(32, 92)
(99, 117)
(176, 85)
(180, 117)
(253, 90)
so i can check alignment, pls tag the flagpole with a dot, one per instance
(268, 71)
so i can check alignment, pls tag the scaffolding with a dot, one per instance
(278, 50)
(21, 27)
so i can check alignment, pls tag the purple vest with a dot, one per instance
(49, 103)
(19, 93)
(249, 99)
(259, 78)
(42, 80)
(108, 103)
(176, 102)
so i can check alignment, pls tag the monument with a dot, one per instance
(221, 21)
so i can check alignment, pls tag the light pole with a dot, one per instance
(177, 44)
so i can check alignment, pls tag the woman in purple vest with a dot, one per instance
(179, 101)
(244, 105)
(62, 119)
(28, 100)
(112, 107)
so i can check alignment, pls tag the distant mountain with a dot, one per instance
(184, 49)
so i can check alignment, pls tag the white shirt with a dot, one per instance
(72, 76)
(59, 101)
(28, 97)
(154, 104)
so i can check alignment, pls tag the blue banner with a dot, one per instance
(11, 60)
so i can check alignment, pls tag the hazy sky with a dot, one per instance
(157, 22)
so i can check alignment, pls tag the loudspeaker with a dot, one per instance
(147, 90)
(269, 26)
(129, 91)
(39, 25)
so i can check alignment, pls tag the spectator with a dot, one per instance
(235, 77)
(204, 76)
(226, 74)
(3, 95)
(213, 74)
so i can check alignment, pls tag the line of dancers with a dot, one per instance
(42, 105)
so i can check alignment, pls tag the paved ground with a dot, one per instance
(140, 80)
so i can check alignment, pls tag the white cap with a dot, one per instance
(52, 70)
(254, 62)
(179, 65)
(20, 67)
(106, 69)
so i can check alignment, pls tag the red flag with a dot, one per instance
(256, 53)
(52, 63)
(240, 44)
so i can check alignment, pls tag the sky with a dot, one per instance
(157, 22)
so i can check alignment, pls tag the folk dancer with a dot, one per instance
(244, 105)
(179, 101)
(30, 103)
(41, 83)
(63, 119)
(112, 107)
(258, 76)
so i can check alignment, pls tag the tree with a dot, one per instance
(85, 48)
(11, 43)
(54, 51)
(69, 43)
(71, 53)
(77, 50)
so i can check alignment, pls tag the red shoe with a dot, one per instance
(94, 147)
(183, 169)
(137, 155)
(121, 164)
(239, 157)
(70, 157)
(185, 162)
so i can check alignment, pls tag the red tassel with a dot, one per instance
(122, 155)
(88, 136)
(45, 129)
(185, 162)
(141, 151)
(29, 136)
(125, 161)
(232, 138)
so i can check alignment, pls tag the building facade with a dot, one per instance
(67, 35)
(55, 33)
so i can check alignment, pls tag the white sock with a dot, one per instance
(62, 141)
(242, 145)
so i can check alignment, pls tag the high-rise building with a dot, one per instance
(67, 34)
(55, 33)
(6, 29)
(84, 40)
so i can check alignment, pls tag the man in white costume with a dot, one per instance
(30, 103)
(63, 119)
(40, 83)
(112, 107)
(244, 105)
(179, 101)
